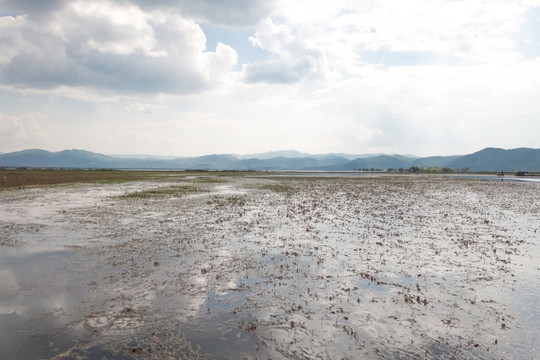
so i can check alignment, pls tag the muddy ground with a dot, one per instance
(272, 267)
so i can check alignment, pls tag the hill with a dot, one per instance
(489, 159)
(36, 158)
(493, 159)
(438, 161)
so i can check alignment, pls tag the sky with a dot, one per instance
(189, 78)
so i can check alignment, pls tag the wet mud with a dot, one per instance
(380, 267)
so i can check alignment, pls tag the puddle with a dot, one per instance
(358, 267)
(38, 287)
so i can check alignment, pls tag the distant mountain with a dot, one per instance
(489, 159)
(275, 154)
(66, 159)
(283, 163)
(493, 159)
(142, 156)
(382, 162)
(438, 161)
(210, 162)
(293, 154)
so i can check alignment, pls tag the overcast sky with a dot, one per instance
(195, 77)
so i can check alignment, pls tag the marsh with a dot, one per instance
(262, 266)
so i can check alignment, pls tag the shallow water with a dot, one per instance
(366, 267)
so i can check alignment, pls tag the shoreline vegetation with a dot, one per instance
(23, 177)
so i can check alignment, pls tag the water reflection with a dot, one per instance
(35, 289)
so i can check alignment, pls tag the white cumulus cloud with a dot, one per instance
(297, 61)
(114, 46)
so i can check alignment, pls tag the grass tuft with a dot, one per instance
(167, 191)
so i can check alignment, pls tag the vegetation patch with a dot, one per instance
(210, 180)
(279, 188)
(235, 200)
(36, 177)
(166, 191)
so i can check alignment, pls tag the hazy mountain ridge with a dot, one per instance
(494, 159)
(488, 159)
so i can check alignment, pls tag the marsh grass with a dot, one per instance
(25, 178)
(22, 178)
(211, 180)
(281, 188)
(232, 201)
(164, 192)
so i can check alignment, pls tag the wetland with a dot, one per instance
(265, 266)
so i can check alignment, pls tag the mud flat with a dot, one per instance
(274, 267)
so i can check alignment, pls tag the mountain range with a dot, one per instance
(488, 159)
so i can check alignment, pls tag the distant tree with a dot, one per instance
(447, 170)
(413, 169)
(391, 170)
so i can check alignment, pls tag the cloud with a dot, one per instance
(296, 60)
(12, 128)
(17, 130)
(238, 13)
(109, 28)
(282, 72)
(338, 39)
(220, 62)
(35, 9)
(141, 108)
(230, 13)
(9, 38)
(101, 44)
(469, 30)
